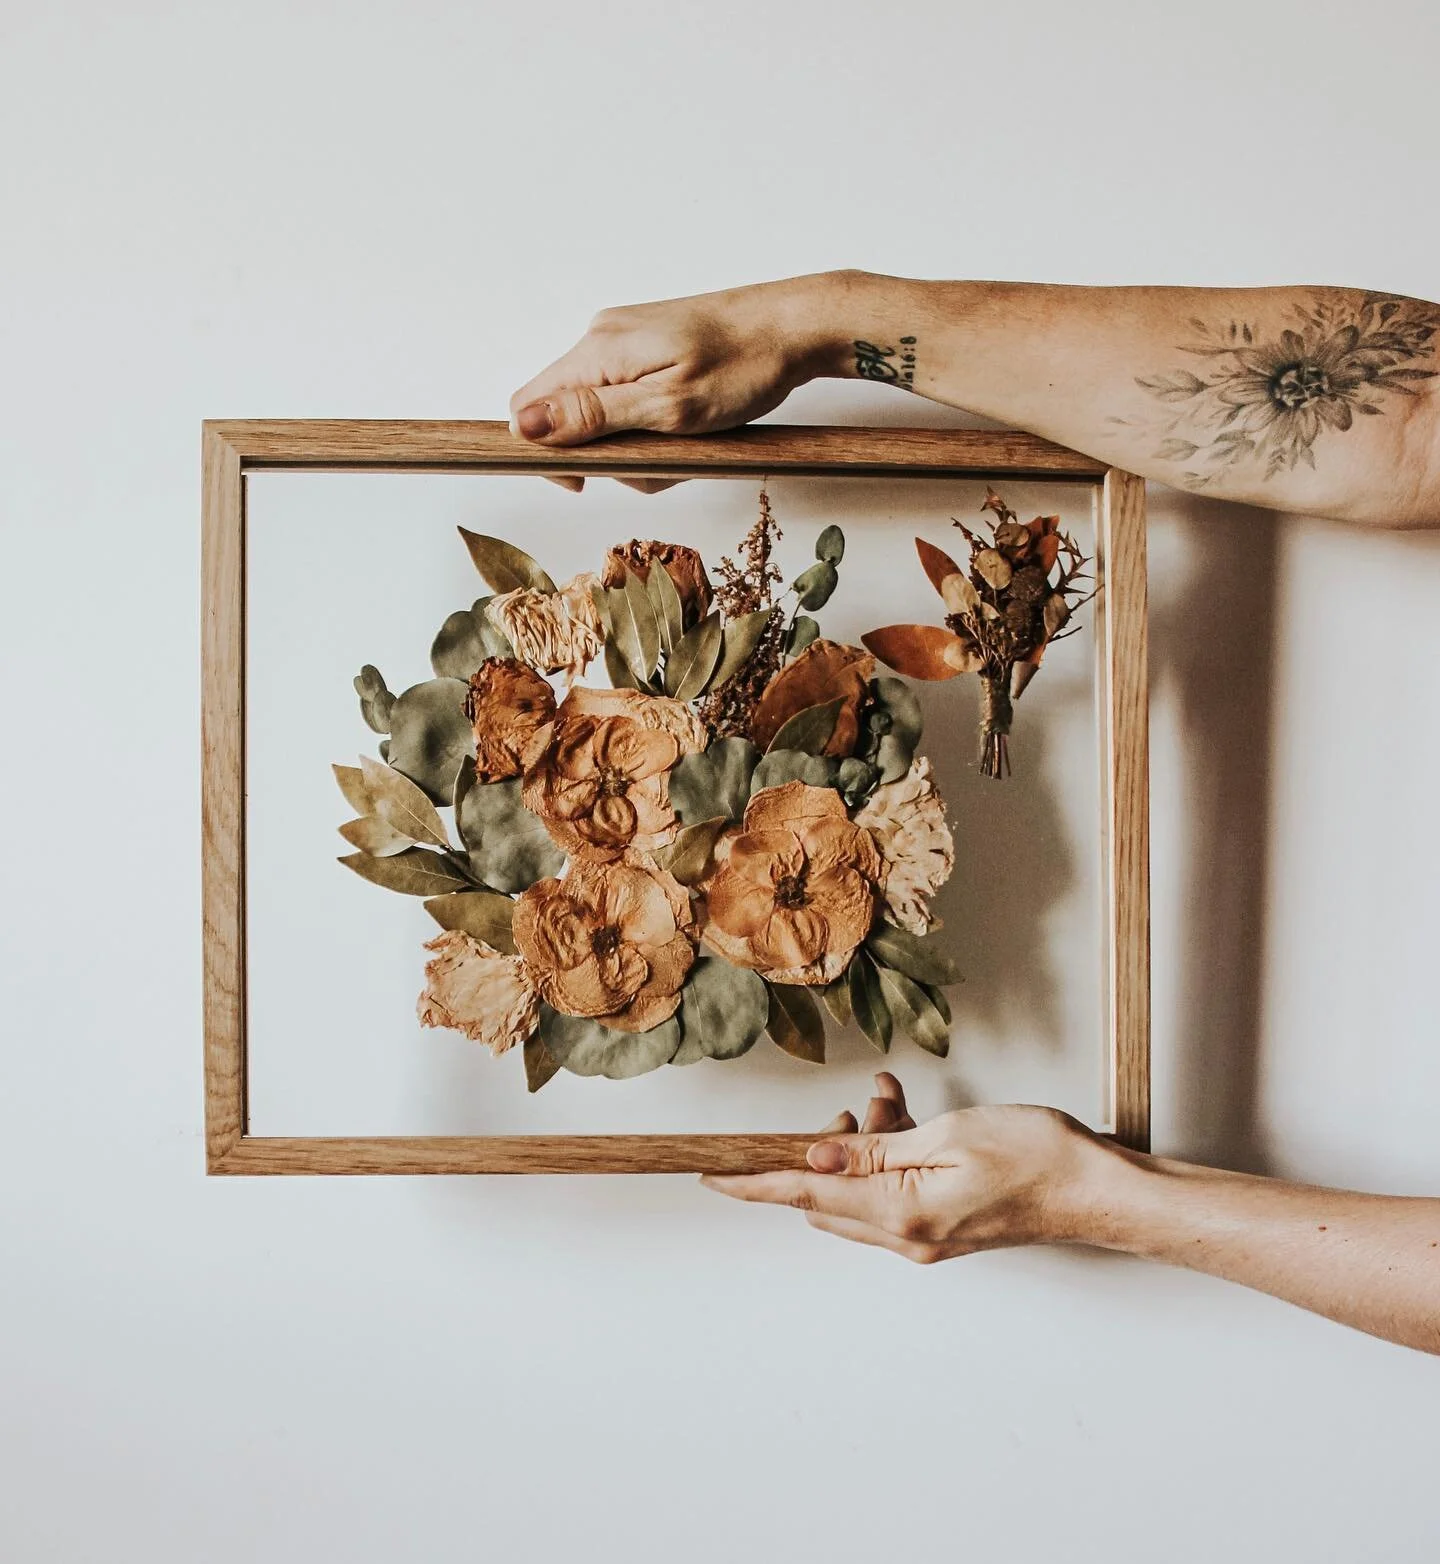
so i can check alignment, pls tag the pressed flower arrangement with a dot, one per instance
(659, 871)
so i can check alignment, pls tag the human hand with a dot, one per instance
(981, 1178)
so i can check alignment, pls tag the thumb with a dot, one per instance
(862, 1155)
(571, 415)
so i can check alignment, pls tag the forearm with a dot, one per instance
(1311, 399)
(1369, 1261)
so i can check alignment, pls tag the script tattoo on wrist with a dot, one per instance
(1267, 396)
(894, 366)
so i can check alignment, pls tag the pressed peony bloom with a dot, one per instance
(907, 819)
(824, 671)
(683, 565)
(511, 709)
(554, 632)
(474, 989)
(608, 941)
(795, 893)
(602, 786)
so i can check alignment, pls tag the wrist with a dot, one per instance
(817, 319)
(1096, 1189)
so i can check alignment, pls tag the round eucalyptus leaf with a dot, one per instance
(830, 545)
(802, 632)
(715, 783)
(430, 735)
(509, 847)
(723, 1009)
(458, 648)
(856, 780)
(817, 584)
(586, 1047)
(792, 765)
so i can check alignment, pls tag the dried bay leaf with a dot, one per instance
(836, 996)
(483, 915)
(540, 1066)
(352, 784)
(401, 804)
(914, 1012)
(618, 668)
(636, 626)
(922, 651)
(688, 858)
(504, 567)
(917, 956)
(794, 1022)
(690, 664)
(808, 731)
(741, 637)
(669, 610)
(372, 835)
(867, 1001)
(937, 564)
(415, 872)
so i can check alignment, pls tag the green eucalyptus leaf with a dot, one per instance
(352, 784)
(402, 805)
(794, 1022)
(689, 666)
(867, 1001)
(742, 636)
(459, 646)
(492, 637)
(809, 731)
(505, 567)
(376, 702)
(689, 856)
(509, 847)
(918, 957)
(669, 610)
(855, 780)
(540, 1066)
(837, 999)
(779, 766)
(723, 1009)
(587, 1047)
(830, 545)
(430, 735)
(415, 872)
(715, 783)
(895, 713)
(913, 1012)
(481, 914)
(817, 584)
(802, 632)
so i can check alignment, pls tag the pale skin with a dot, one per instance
(1324, 401)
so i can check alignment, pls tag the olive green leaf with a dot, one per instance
(352, 784)
(505, 567)
(779, 766)
(714, 783)
(936, 996)
(855, 780)
(465, 640)
(401, 805)
(816, 584)
(481, 914)
(371, 835)
(913, 1012)
(376, 702)
(669, 610)
(905, 723)
(867, 1000)
(689, 666)
(509, 847)
(802, 632)
(837, 999)
(918, 957)
(830, 545)
(809, 730)
(430, 735)
(742, 635)
(540, 1066)
(794, 1022)
(587, 1047)
(722, 1011)
(688, 857)
(636, 626)
(618, 669)
(415, 872)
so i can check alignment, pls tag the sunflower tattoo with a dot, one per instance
(1270, 400)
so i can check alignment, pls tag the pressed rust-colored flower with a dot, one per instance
(683, 565)
(796, 891)
(609, 941)
(554, 632)
(824, 671)
(602, 786)
(474, 989)
(907, 819)
(511, 709)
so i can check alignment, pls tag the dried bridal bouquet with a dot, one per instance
(1001, 613)
(659, 871)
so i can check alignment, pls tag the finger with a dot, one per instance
(841, 1124)
(863, 1155)
(888, 1089)
(566, 481)
(650, 485)
(571, 415)
(881, 1117)
(867, 1200)
(862, 1233)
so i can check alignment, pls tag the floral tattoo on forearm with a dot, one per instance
(895, 366)
(1268, 398)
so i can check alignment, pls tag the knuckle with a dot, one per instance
(589, 413)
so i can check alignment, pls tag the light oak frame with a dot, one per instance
(233, 449)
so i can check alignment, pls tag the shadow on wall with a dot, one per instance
(1213, 648)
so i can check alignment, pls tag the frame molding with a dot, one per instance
(230, 449)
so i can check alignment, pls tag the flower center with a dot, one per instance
(790, 891)
(1297, 385)
(613, 784)
(604, 942)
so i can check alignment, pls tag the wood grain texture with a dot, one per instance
(757, 449)
(222, 769)
(1127, 835)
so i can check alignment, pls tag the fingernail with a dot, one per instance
(534, 422)
(828, 1156)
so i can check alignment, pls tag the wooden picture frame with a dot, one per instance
(233, 449)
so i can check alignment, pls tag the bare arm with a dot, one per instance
(989, 1178)
(1321, 400)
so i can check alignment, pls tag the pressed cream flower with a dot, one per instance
(554, 632)
(907, 820)
(472, 988)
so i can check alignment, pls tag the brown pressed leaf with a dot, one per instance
(505, 567)
(485, 915)
(399, 803)
(372, 835)
(415, 872)
(1057, 611)
(795, 1023)
(689, 857)
(825, 671)
(540, 1065)
(937, 564)
(352, 785)
(1022, 673)
(922, 651)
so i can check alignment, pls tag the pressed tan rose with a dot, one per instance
(907, 819)
(609, 941)
(474, 989)
(554, 632)
(824, 671)
(796, 891)
(511, 709)
(602, 786)
(683, 565)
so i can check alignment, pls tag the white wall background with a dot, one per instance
(300, 209)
